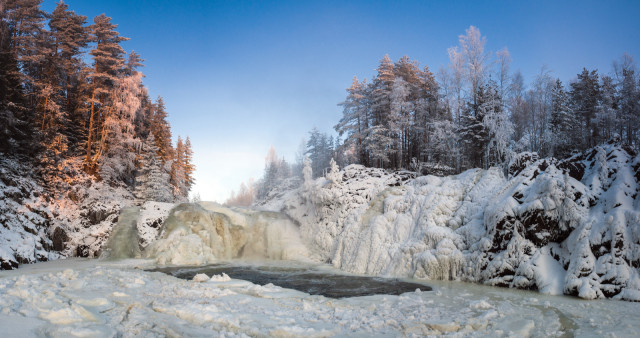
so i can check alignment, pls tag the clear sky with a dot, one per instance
(239, 76)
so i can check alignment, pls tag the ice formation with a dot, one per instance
(79, 297)
(557, 226)
(123, 242)
(560, 227)
(196, 234)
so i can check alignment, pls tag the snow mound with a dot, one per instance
(201, 277)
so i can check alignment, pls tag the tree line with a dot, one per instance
(472, 113)
(475, 113)
(69, 92)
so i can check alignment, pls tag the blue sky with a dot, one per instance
(239, 76)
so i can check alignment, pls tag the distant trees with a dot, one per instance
(71, 93)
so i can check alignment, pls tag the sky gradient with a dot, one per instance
(239, 76)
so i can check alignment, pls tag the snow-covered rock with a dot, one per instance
(74, 216)
(569, 226)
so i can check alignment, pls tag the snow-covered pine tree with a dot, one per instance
(307, 175)
(189, 166)
(585, 93)
(152, 181)
(629, 96)
(473, 134)
(562, 122)
(377, 140)
(605, 118)
(400, 121)
(498, 126)
(117, 143)
(355, 120)
(178, 175)
(334, 175)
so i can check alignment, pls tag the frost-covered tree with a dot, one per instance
(117, 143)
(585, 94)
(189, 166)
(334, 175)
(498, 126)
(537, 107)
(307, 175)
(503, 63)
(400, 121)
(355, 120)
(562, 122)
(320, 149)
(244, 197)
(455, 80)
(178, 174)
(378, 141)
(152, 181)
(472, 48)
(629, 96)
(276, 170)
(605, 118)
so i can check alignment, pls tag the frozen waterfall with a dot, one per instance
(123, 242)
(206, 232)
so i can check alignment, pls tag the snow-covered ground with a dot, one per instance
(79, 297)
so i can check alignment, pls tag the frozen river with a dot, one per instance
(97, 298)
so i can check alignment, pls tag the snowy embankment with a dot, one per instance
(37, 225)
(79, 297)
(560, 227)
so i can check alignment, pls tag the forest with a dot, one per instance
(71, 97)
(472, 113)
(476, 114)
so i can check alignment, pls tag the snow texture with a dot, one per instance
(38, 226)
(79, 297)
(561, 227)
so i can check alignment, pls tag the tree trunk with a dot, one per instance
(89, 139)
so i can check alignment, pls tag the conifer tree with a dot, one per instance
(108, 59)
(152, 180)
(189, 166)
(178, 178)
(355, 120)
(629, 107)
(70, 36)
(563, 122)
(585, 93)
(161, 130)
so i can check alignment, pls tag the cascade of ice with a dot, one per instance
(123, 242)
(206, 232)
